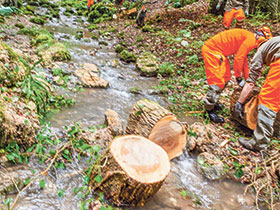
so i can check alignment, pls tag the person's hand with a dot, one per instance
(238, 108)
(218, 7)
(246, 13)
(240, 81)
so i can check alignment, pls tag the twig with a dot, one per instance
(42, 172)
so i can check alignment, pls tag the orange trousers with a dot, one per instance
(90, 2)
(270, 92)
(217, 67)
(239, 15)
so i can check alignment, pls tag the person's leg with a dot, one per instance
(228, 16)
(269, 106)
(239, 15)
(215, 66)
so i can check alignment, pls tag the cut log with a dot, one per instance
(250, 113)
(133, 169)
(148, 119)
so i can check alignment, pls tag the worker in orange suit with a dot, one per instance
(238, 42)
(269, 97)
(237, 9)
(89, 4)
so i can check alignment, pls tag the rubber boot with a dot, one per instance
(248, 144)
(214, 117)
(264, 129)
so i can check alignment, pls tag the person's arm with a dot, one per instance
(241, 57)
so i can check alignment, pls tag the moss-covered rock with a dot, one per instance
(127, 56)
(19, 25)
(38, 20)
(43, 38)
(17, 122)
(11, 69)
(92, 27)
(148, 64)
(119, 48)
(30, 8)
(2, 19)
(56, 52)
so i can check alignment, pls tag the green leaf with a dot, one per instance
(103, 208)
(138, 113)
(60, 193)
(27, 181)
(98, 178)
(183, 193)
(233, 151)
(42, 183)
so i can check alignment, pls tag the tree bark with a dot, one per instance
(149, 119)
(132, 169)
(250, 113)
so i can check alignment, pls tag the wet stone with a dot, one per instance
(210, 166)
(147, 64)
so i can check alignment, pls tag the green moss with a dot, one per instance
(119, 48)
(38, 20)
(92, 27)
(19, 25)
(30, 8)
(103, 43)
(26, 12)
(135, 90)
(56, 52)
(2, 19)
(68, 14)
(94, 37)
(43, 38)
(128, 56)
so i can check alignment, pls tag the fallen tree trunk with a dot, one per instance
(149, 119)
(250, 113)
(132, 169)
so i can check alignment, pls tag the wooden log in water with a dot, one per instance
(149, 119)
(133, 169)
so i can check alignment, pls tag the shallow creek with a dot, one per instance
(90, 109)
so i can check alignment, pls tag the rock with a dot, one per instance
(113, 122)
(11, 69)
(17, 123)
(197, 137)
(11, 175)
(56, 52)
(127, 56)
(43, 38)
(89, 78)
(210, 166)
(115, 63)
(38, 20)
(148, 64)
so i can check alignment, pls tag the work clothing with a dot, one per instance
(235, 9)
(238, 42)
(236, 4)
(269, 96)
(238, 14)
(90, 2)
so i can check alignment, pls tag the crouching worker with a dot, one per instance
(269, 97)
(238, 42)
(234, 9)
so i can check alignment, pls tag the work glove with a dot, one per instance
(218, 7)
(246, 13)
(240, 81)
(238, 108)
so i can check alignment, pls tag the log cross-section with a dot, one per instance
(133, 169)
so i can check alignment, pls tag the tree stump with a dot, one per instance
(148, 119)
(250, 113)
(132, 168)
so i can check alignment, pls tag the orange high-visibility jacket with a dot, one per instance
(90, 2)
(238, 42)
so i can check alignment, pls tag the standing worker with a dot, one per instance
(238, 42)
(89, 4)
(234, 9)
(269, 97)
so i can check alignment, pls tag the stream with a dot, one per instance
(90, 109)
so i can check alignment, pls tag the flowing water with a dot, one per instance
(90, 109)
